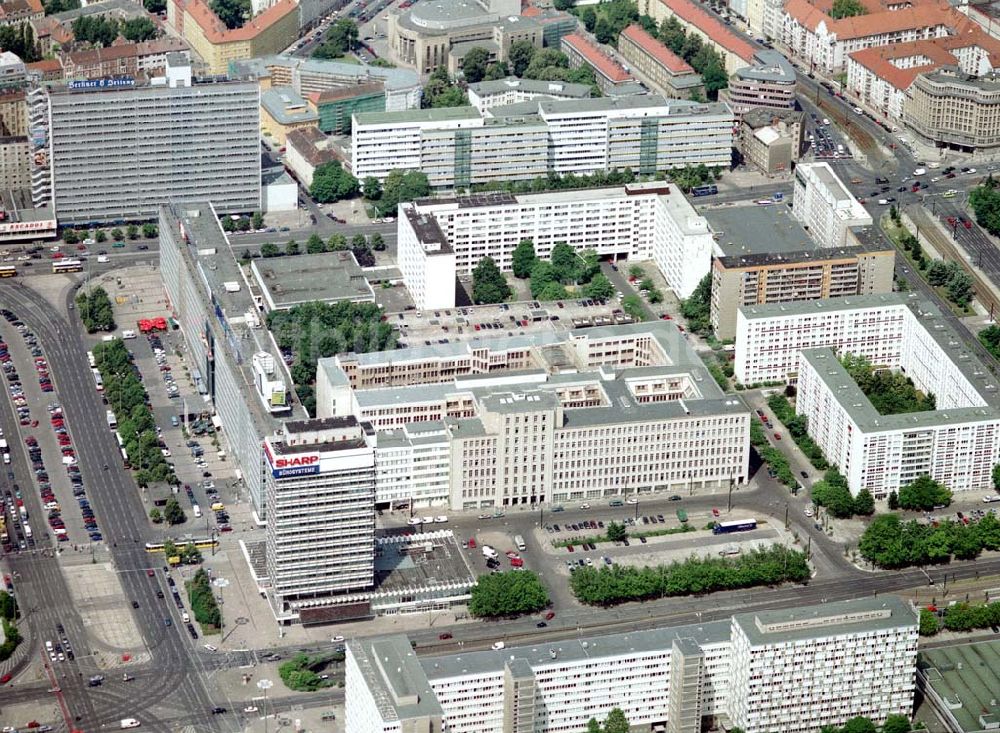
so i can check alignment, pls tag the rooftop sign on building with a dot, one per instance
(91, 84)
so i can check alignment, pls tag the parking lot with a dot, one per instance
(824, 141)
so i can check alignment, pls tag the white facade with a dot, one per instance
(957, 444)
(877, 92)
(825, 207)
(486, 95)
(441, 240)
(320, 493)
(791, 670)
(477, 425)
(460, 147)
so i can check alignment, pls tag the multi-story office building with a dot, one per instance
(957, 444)
(772, 275)
(319, 485)
(768, 82)
(665, 71)
(233, 363)
(522, 421)
(952, 109)
(460, 147)
(439, 239)
(401, 87)
(485, 95)
(771, 139)
(794, 670)
(117, 150)
(821, 201)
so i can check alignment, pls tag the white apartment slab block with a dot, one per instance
(442, 239)
(957, 444)
(789, 670)
(821, 201)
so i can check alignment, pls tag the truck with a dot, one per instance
(736, 525)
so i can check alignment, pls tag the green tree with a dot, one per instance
(890, 392)
(924, 494)
(257, 220)
(173, 513)
(893, 501)
(149, 230)
(833, 493)
(474, 64)
(599, 287)
(859, 724)
(269, 249)
(507, 594)
(376, 242)
(552, 291)
(960, 287)
(100, 236)
(672, 34)
(232, 13)
(315, 244)
(401, 187)
(439, 91)
(882, 542)
(589, 18)
(985, 203)
(154, 516)
(203, 604)
(337, 243)
(69, 236)
(332, 183)
(292, 247)
(604, 32)
(117, 234)
(990, 338)
(696, 308)
(519, 56)
(864, 503)
(896, 724)
(8, 606)
(929, 625)
(523, 258)
(497, 70)
(938, 273)
(847, 9)
(488, 283)
(340, 40)
(155, 6)
(371, 189)
(565, 262)
(139, 29)
(616, 532)
(132, 231)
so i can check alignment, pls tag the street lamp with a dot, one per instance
(264, 685)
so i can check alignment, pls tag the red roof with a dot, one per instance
(530, 12)
(712, 27)
(593, 55)
(673, 63)
(923, 14)
(216, 32)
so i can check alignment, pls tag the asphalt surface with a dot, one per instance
(174, 685)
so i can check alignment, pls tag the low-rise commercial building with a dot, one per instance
(582, 51)
(553, 417)
(485, 95)
(461, 147)
(307, 76)
(768, 82)
(306, 150)
(22, 221)
(825, 206)
(684, 678)
(764, 256)
(282, 110)
(427, 35)
(332, 277)
(771, 139)
(270, 32)
(117, 150)
(957, 444)
(441, 239)
(665, 71)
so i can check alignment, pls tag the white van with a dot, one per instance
(127, 334)
(498, 645)
(103, 259)
(184, 617)
(130, 723)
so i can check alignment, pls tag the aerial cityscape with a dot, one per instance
(500, 366)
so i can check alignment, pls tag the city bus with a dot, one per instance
(707, 190)
(67, 266)
(737, 525)
(97, 380)
(8, 271)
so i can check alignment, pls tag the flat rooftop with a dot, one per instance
(531, 86)
(329, 277)
(394, 677)
(966, 678)
(817, 254)
(743, 231)
(339, 73)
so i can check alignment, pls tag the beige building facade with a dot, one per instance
(955, 110)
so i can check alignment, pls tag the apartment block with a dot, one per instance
(668, 73)
(525, 421)
(461, 147)
(319, 485)
(825, 206)
(735, 50)
(957, 444)
(760, 671)
(755, 278)
(118, 150)
(583, 51)
(441, 239)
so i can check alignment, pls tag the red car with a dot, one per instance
(444, 637)
(150, 572)
(715, 512)
(777, 436)
(550, 615)
(6, 678)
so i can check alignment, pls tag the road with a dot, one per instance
(175, 686)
